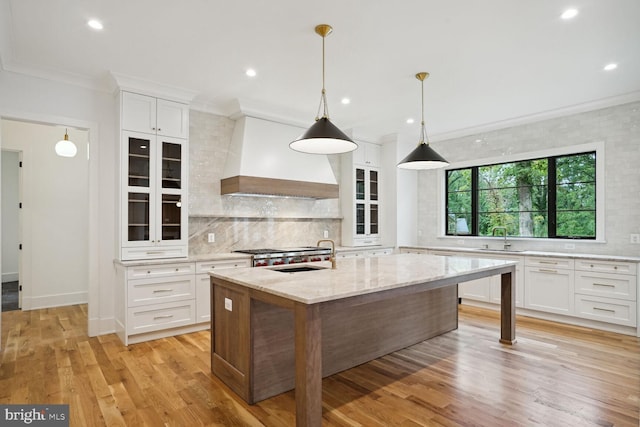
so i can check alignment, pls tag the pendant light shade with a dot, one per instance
(66, 148)
(423, 156)
(323, 137)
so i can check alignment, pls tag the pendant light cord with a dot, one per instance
(423, 130)
(323, 97)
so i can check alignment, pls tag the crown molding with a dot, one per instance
(538, 117)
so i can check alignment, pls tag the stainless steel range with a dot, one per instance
(265, 257)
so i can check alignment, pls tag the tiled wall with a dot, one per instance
(246, 222)
(618, 127)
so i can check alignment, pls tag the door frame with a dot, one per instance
(93, 271)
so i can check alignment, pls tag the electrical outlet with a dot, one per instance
(326, 234)
(634, 238)
(228, 304)
(211, 238)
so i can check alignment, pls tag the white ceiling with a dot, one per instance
(490, 61)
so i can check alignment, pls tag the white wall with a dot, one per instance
(617, 128)
(55, 214)
(40, 100)
(10, 200)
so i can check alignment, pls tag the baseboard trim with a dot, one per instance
(56, 300)
(10, 277)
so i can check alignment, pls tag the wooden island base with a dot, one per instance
(253, 346)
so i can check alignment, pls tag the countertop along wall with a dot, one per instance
(618, 127)
(246, 222)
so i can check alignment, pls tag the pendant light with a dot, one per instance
(66, 148)
(423, 157)
(323, 137)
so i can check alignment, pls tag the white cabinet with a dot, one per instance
(364, 252)
(158, 299)
(488, 289)
(360, 196)
(606, 291)
(154, 173)
(203, 284)
(153, 300)
(367, 154)
(155, 116)
(549, 284)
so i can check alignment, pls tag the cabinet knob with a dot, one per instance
(153, 128)
(177, 269)
(148, 272)
(159, 130)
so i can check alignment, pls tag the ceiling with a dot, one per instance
(491, 62)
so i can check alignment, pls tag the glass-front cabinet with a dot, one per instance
(154, 221)
(360, 197)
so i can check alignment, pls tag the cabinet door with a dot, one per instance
(139, 198)
(171, 188)
(172, 118)
(549, 289)
(138, 112)
(479, 289)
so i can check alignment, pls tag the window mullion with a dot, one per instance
(475, 223)
(551, 198)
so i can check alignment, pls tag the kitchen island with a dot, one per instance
(275, 330)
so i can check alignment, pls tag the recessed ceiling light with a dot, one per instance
(251, 72)
(569, 14)
(345, 101)
(95, 24)
(410, 121)
(610, 67)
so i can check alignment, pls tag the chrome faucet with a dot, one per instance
(333, 251)
(504, 230)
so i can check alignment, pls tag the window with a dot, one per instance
(550, 197)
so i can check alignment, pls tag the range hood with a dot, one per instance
(260, 162)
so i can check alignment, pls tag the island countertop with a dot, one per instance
(356, 276)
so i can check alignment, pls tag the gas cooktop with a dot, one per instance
(279, 251)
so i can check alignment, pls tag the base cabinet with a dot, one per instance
(602, 292)
(163, 299)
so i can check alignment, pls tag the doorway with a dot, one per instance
(54, 218)
(10, 203)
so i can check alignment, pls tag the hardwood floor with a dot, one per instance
(555, 375)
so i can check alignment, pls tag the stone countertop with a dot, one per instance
(356, 276)
(194, 258)
(479, 252)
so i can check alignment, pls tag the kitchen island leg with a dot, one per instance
(308, 355)
(508, 308)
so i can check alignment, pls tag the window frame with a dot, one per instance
(597, 147)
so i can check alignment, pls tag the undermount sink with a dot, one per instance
(297, 269)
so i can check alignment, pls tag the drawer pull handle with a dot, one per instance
(549, 262)
(546, 270)
(166, 316)
(608, 310)
(162, 290)
(608, 285)
(155, 252)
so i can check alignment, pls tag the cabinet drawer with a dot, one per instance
(160, 270)
(160, 290)
(606, 309)
(206, 266)
(606, 266)
(132, 253)
(160, 316)
(621, 286)
(549, 262)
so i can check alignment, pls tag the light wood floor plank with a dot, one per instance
(555, 375)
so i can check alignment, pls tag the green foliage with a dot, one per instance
(516, 195)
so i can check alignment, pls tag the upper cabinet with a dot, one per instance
(366, 155)
(360, 196)
(154, 172)
(154, 115)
